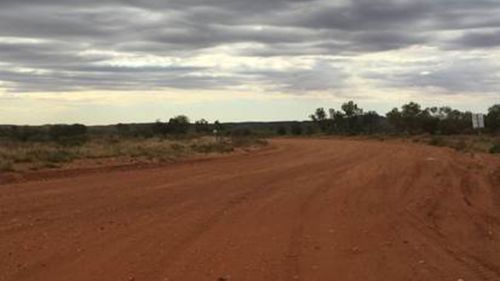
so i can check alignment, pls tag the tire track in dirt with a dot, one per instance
(303, 210)
(276, 184)
(461, 182)
(294, 251)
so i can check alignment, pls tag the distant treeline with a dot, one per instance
(350, 119)
(410, 119)
(177, 127)
(65, 134)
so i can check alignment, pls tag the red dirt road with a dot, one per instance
(299, 210)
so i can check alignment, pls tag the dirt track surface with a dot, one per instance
(299, 210)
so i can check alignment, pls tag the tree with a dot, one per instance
(395, 119)
(75, 134)
(452, 121)
(319, 117)
(160, 128)
(443, 120)
(411, 113)
(281, 130)
(27, 133)
(351, 109)
(310, 130)
(218, 127)
(202, 126)
(296, 129)
(409, 118)
(123, 129)
(350, 120)
(370, 122)
(493, 118)
(178, 125)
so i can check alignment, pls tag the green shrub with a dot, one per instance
(72, 141)
(50, 165)
(296, 129)
(437, 141)
(281, 131)
(212, 147)
(460, 145)
(6, 165)
(247, 141)
(177, 147)
(495, 149)
(57, 156)
(57, 132)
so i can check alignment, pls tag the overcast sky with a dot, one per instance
(108, 61)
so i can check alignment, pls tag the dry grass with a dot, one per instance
(485, 144)
(462, 143)
(35, 155)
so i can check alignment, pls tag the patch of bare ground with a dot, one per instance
(301, 209)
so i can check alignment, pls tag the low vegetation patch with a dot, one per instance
(6, 165)
(463, 143)
(56, 146)
(437, 141)
(37, 155)
(495, 149)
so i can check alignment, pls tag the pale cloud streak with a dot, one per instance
(352, 48)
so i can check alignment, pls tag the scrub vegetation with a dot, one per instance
(55, 146)
(438, 126)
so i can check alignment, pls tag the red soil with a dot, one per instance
(301, 210)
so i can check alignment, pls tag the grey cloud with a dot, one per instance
(453, 76)
(408, 15)
(385, 40)
(186, 28)
(321, 76)
(476, 39)
(111, 78)
(208, 36)
(363, 15)
(349, 44)
(45, 55)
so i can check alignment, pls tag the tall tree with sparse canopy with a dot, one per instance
(178, 125)
(493, 118)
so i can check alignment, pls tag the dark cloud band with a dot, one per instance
(45, 44)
